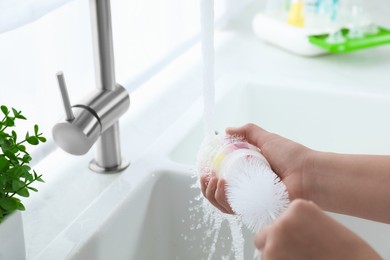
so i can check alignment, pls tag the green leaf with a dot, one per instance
(17, 171)
(17, 184)
(6, 146)
(14, 135)
(26, 168)
(32, 188)
(29, 177)
(42, 139)
(11, 156)
(20, 206)
(36, 129)
(4, 164)
(22, 148)
(5, 110)
(26, 158)
(38, 178)
(9, 121)
(23, 192)
(18, 114)
(9, 204)
(33, 140)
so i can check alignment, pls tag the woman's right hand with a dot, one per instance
(288, 159)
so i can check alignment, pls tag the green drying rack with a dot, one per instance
(368, 41)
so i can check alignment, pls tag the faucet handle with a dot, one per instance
(78, 133)
(65, 97)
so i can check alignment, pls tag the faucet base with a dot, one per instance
(93, 166)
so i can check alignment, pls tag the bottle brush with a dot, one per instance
(254, 191)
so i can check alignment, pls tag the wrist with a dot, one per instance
(310, 172)
(321, 179)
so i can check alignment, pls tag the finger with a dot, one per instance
(243, 130)
(252, 133)
(210, 194)
(261, 238)
(220, 196)
(204, 181)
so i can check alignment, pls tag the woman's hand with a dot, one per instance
(303, 231)
(213, 189)
(288, 160)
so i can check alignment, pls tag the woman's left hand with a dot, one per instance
(304, 231)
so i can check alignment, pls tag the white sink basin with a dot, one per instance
(317, 116)
(146, 212)
(159, 219)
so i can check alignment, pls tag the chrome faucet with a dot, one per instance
(95, 119)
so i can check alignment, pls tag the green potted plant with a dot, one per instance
(16, 178)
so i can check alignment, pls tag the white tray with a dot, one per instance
(285, 36)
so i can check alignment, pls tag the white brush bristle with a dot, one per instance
(255, 193)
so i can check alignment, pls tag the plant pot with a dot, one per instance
(12, 237)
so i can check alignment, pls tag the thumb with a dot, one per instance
(252, 133)
(261, 238)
